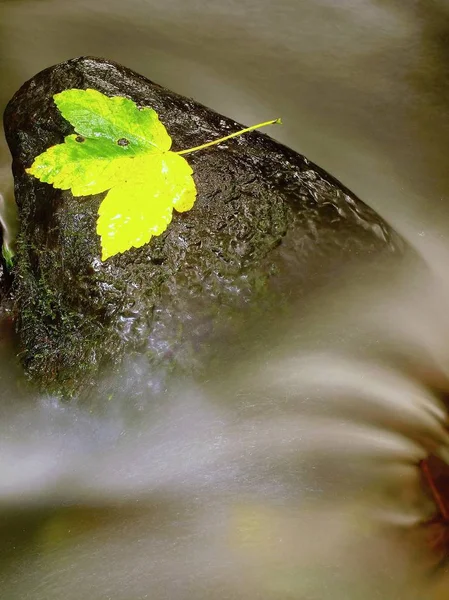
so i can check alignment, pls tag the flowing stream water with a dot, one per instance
(291, 472)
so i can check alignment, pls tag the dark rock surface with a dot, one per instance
(267, 223)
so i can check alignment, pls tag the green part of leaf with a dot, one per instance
(94, 115)
(89, 166)
(132, 213)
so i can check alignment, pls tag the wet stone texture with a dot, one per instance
(267, 224)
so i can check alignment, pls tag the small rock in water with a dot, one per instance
(267, 223)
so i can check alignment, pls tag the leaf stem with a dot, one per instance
(228, 137)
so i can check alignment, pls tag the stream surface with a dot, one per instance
(290, 473)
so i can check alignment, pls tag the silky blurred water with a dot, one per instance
(292, 472)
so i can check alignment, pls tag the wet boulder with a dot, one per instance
(267, 224)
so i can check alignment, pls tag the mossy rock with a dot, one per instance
(267, 224)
